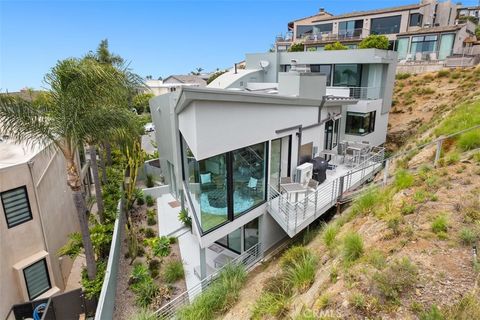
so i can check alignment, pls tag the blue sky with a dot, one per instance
(159, 38)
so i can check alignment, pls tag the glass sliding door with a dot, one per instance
(446, 45)
(347, 75)
(232, 241)
(249, 171)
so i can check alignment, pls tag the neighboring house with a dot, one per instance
(464, 12)
(227, 149)
(37, 214)
(174, 82)
(428, 30)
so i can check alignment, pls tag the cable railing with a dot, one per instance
(293, 216)
(364, 93)
(247, 259)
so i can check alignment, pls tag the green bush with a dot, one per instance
(467, 236)
(407, 208)
(374, 41)
(352, 247)
(151, 221)
(335, 46)
(402, 76)
(140, 200)
(440, 224)
(73, 247)
(145, 291)
(466, 308)
(403, 179)
(469, 140)
(398, 277)
(301, 273)
(215, 75)
(270, 304)
(432, 314)
(365, 203)
(329, 235)
(173, 271)
(296, 47)
(139, 274)
(160, 246)
(149, 200)
(393, 223)
(220, 296)
(377, 259)
(292, 255)
(150, 233)
(464, 116)
(184, 218)
(92, 288)
(149, 181)
(154, 267)
(452, 158)
(443, 73)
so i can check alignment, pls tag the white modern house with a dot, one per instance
(264, 151)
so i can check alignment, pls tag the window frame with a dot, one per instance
(371, 115)
(230, 188)
(390, 28)
(44, 260)
(419, 20)
(9, 225)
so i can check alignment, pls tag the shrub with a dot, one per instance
(184, 218)
(439, 224)
(374, 41)
(154, 267)
(403, 179)
(393, 223)
(432, 314)
(352, 247)
(149, 200)
(407, 209)
(301, 273)
(297, 47)
(402, 76)
(149, 181)
(160, 246)
(139, 274)
(218, 297)
(366, 202)
(144, 314)
(469, 140)
(443, 73)
(335, 46)
(377, 259)
(467, 236)
(462, 117)
(452, 158)
(323, 301)
(329, 235)
(146, 291)
(140, 200)
(73, 247)
(357, 300)
(92, 288)
(293, 255)
(270, 304)
(466, 308)
(151, 221)
(150, 233)
(398, 277)
(173, 271)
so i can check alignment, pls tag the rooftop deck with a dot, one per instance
(294, 216)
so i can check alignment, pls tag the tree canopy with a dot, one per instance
(374, 41)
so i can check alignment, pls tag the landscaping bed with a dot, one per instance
(155, 276)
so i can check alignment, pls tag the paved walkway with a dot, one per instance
(73, 281)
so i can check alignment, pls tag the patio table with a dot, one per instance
(295, 188)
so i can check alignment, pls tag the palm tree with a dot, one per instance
(82, 92)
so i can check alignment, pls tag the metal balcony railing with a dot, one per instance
(247, 259)
(294, 216)
(363, 93)
(342, 35)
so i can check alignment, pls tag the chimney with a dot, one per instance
(322, 10)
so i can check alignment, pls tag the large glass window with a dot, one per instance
(446, 45)
(226, 185)
(402, 48)
(360, 123)
(424, 44)
(303, 31)
(385, 25)
(249, 168)
(325, 69)
(348, 29)
(232, 241)
(347, 75)
(208, 190)
(416, 20)
(322, 28)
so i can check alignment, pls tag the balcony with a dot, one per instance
(343, 35)
(294, 216)
(362, 93)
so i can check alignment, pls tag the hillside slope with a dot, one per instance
(420, 99)
(403, 251)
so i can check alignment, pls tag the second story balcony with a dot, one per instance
(361, 93)
(295, 206)
(342, 35)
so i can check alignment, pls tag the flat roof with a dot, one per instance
(363, 13)
(433, 30)
(12, 154)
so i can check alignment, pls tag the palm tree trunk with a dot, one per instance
(73, 181)
(96, 182)
(108, 151)
(102, 166)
